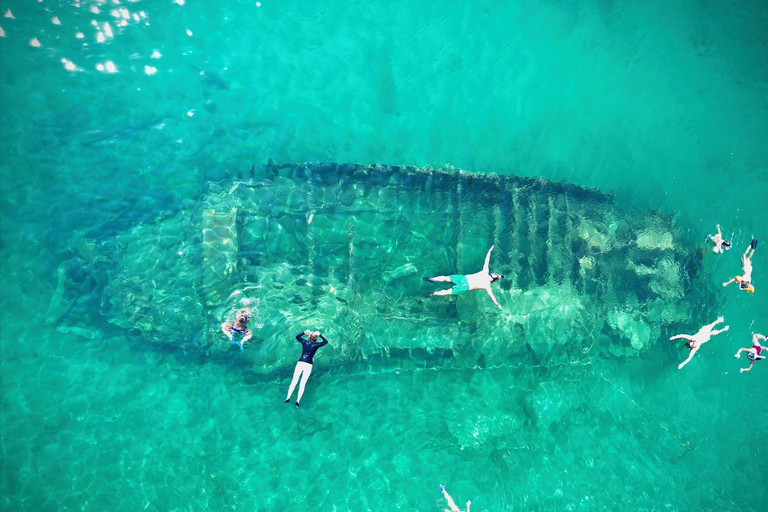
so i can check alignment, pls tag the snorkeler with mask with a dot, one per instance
(698, 339)
(461, 283)
(720, 243)
(239, 332)
(745, 279)
(754, 352)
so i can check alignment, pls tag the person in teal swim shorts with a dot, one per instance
(461, 283)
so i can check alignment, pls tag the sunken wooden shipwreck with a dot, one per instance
(342, 248)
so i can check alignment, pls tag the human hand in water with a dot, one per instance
(737, 355)
(307, 332)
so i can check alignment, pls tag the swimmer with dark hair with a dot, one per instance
(461, 283)
(304, 366)
(720, 243)
(753, 353)
(451, 503)
(697, 340)
(239, 333)
(745, 279)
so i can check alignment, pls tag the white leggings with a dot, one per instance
(302, 370)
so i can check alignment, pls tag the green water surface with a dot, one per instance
(664, 104)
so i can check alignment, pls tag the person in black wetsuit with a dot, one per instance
(304, 366)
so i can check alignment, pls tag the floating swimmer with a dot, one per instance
(745, 279)
(461, 283)
(450, 501)
(238, 332)
(304, 366)
(752, 353)
(698, 339)
(720, 243)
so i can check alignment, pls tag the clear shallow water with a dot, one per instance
(664, 106)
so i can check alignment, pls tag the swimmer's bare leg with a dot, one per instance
(746, 251)
(438, 279)
(450, 501)
(442, 292)
(713, 324)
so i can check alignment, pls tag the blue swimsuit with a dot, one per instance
(238, 333)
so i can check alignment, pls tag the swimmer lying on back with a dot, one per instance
(697, 340)
(304, 367)
(461, 283)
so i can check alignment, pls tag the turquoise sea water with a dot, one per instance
(663, 104)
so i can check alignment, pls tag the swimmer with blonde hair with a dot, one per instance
(238, 333)
(697, 340)
(720, 243)
(753, 353)
(745, 279)
(451, 503)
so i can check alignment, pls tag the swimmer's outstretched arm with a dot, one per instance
(690, 356)
(738, 353)
(679, 336)
(487, 259)
(729, 281)
(490, 294)
(751, 364)
(225, 328)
